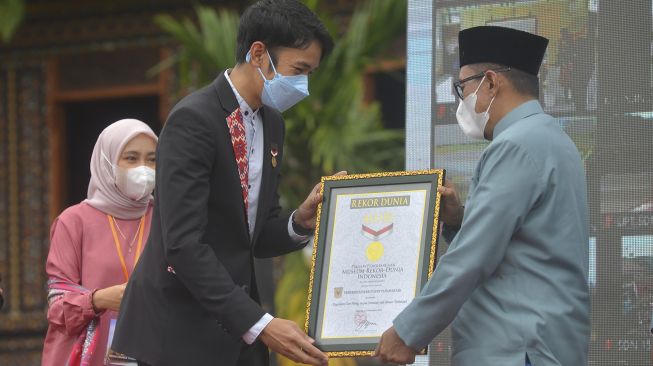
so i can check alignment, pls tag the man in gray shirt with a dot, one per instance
(513, 282)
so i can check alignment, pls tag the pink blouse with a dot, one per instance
(83, 251)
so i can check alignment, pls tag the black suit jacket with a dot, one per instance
(197, 315)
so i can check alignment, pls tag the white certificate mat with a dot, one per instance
(373, 261)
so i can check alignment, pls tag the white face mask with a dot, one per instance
(135, 183)
(472, 123)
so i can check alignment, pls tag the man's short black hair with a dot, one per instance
(523, 82)
(281, 23)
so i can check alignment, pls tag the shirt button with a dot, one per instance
(247, 113)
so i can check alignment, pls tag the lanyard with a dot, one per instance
(141, 229)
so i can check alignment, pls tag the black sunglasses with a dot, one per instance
(458, 85)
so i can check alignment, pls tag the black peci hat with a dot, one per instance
(503, 46)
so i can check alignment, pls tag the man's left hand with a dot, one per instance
(391, 349)
(307, 212)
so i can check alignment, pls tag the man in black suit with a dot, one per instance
(192, 299)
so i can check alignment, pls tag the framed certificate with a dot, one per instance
(374, 249)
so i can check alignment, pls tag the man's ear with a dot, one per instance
(491, 79)
(257, 54)
(494, 82)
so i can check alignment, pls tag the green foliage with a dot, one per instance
(334, 129)
(206, 47)
(11, 14)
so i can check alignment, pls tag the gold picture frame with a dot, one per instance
(356, 192)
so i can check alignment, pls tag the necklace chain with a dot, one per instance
(131, 245)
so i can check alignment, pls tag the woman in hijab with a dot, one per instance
(95, 245)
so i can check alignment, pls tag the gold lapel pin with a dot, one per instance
(274, 152)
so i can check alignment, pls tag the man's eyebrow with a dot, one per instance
(302, 64)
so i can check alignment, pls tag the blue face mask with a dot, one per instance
(282, 92)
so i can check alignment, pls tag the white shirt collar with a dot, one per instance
(245, 109)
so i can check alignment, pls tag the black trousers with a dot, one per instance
(254, 355)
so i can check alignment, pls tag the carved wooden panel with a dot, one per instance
(90, 70)
(24, 215)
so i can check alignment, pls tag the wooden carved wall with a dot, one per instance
(24, 212)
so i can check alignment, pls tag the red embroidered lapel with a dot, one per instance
(239, 142)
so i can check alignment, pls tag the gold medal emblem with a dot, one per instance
(374, 251)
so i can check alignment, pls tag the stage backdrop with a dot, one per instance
(596, 80)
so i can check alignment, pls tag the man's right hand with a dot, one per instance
(284, 337)
(108, 298)
(452, 210)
